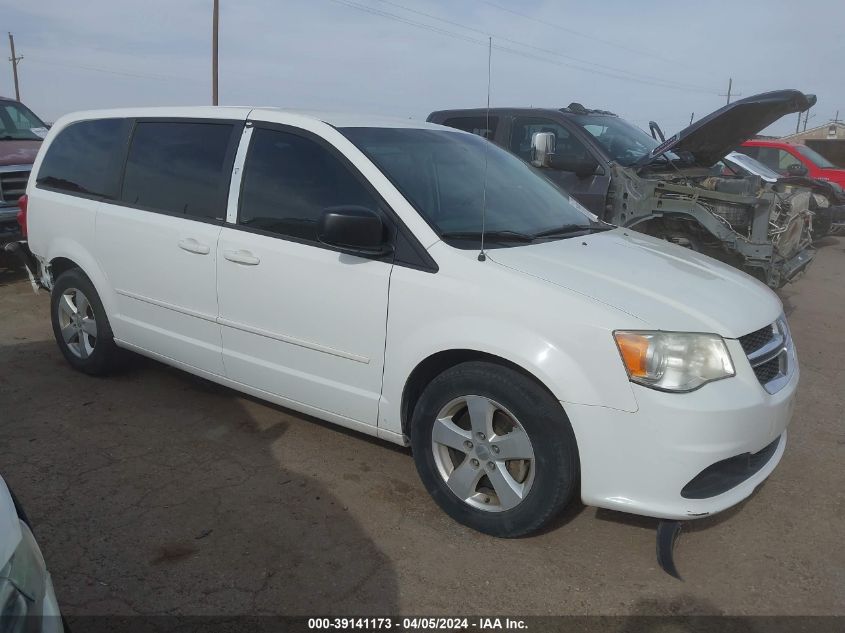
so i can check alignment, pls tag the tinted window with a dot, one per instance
(289, 180)
(474, 124)
(179, 167)
(567, 147)
(85, 158)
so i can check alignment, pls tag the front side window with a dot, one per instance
(18, 123)
(288, 182)
(85, 158)
(182, 168)
(450, 176)
(568, 149)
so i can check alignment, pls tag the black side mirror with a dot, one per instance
(355, 230)
(796, 169)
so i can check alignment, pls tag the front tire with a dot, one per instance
(494, 449)
(80, 325)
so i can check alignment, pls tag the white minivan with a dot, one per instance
(335, 265)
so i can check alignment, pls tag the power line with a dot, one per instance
(109, 71)
(578, 33)
(658, 80)
(619, 74)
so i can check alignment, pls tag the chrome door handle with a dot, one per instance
(241, 257)
(192, 246)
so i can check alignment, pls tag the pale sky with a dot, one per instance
(644, 60)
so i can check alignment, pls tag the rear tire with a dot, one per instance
(80, 324)
(494, 449)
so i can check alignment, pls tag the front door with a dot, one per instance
(301, 320)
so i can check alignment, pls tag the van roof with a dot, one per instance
(283, 115)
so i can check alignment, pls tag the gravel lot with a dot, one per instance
(157, 492)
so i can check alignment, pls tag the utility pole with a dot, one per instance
(798, 124)
(15, 61)
(729, 93)
(214, 29)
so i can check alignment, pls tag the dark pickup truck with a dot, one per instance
(666, 189)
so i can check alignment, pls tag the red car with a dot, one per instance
(793, 160)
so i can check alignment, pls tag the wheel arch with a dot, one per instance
(435, 364)
(67, 254)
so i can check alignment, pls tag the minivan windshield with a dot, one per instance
(18, 123)
(444, 174)
(814, 157)
(624, 142)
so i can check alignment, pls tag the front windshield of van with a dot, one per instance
(442, 173)
(624, 142)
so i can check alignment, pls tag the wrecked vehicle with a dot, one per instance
(827, 202)
(666, 189)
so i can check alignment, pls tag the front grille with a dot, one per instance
(768, 350)
(754, 341)
(767, 370)
(12, 186)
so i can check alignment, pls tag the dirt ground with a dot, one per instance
(156, 492)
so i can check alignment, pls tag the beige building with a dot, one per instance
(835, 130)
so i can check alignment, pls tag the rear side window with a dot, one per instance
(180, 168)
(85, 158)
(289, 180)
(474, 124)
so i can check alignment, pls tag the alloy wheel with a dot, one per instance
(77, 323)
(483, 453)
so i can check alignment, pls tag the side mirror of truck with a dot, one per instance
(796, 169)
(542, 149)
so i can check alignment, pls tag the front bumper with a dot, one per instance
(10, 231)
(641, 462)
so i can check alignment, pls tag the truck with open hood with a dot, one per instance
(666, 189)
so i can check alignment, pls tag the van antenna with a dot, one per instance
(481, 255)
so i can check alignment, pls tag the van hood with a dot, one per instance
(18, 152)
(666, 286)
(712, 137)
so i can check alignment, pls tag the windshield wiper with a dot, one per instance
(572, 229)
(498, 236)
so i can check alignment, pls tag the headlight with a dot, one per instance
(22, 581)
(674, 361)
